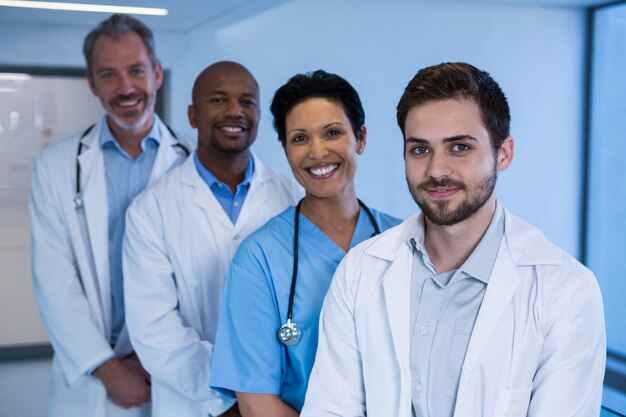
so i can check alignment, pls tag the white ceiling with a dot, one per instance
(183, 14)
(188, 14)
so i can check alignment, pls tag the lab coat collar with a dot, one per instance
(395, 241)
(204, 198)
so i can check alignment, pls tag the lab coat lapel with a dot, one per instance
(396, 285)
(203, 196)
(93, 186)
(166, 154)
(502, 285)
(256, 196)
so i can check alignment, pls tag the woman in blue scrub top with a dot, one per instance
(320, 123)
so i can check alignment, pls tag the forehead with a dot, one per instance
(126, 50)
(440, 119)
(316, 110)
(228, 81)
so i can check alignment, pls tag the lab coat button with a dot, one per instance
(419, 387)
(424, 330)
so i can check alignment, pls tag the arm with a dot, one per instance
(263, 405)
(126, 382)
(336, 386)
(79, 342)
(248, 357)
(569, 379)
(172, 351)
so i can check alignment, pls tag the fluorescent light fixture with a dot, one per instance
(83, 7)
(9, 76)
(8, 90)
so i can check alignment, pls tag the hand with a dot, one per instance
(232, 412)
(125, 380)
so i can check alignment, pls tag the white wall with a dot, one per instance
(536, 54)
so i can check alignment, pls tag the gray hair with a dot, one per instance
(115, 27)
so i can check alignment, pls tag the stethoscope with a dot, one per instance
(289, 333)
(79, 204)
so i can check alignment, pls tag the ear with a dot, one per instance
(92, 84)
(505, 156)
(158, 75)
(191, 115)
(361, 140)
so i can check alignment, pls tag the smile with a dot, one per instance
(128, 103)
(323, 170)
(442, 192)
(232, 129)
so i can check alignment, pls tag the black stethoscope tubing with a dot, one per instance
(293, 328)
(78, 200)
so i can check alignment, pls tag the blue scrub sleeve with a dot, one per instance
(248, 356)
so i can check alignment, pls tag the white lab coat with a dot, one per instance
(70, 263)
(537, 348)
(178, 245)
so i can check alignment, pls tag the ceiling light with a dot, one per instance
(10, 76)
(82, 7)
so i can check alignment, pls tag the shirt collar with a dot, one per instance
(210, 179)
(106, 136)
(481, 261)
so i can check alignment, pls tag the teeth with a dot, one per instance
(323, 170)
(232, 129)
(127, 103)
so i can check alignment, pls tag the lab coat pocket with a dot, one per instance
(512, 402)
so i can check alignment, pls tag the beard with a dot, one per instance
(440, 213)
(144, 116)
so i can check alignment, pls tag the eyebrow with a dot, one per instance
(456, 138)
(299, 129)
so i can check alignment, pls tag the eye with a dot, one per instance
(419, 150)
(248, 103)
(334, 133)
(137, 71)
(107, 75)
(216, 100)
(460, 147)
(297, 139)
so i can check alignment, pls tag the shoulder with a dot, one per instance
(65, 148)
(272, 178)
(385, 221)
(276, 232)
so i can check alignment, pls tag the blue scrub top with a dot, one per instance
(248, 356)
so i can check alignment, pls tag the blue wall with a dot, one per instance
(535, 53)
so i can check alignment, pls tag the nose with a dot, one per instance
(317, 148)
(233, 108)
(439, 166)
(124, 85)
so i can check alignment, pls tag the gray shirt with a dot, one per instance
(444, 307)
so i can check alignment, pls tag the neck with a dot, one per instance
(229, 168)
(130, 139)
(336, 216)
(449, 246)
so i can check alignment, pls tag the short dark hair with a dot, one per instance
(115, 27)
(318, 84)
(452, 80)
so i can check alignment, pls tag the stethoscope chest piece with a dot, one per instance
(289, 333)
(78, 203)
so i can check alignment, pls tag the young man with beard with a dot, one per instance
(182, 234)
(464, 309)
(80, 191)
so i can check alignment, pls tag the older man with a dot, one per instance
(80, 191)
